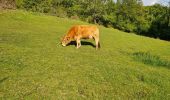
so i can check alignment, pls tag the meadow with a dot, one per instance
(34, 65)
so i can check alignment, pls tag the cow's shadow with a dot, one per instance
(82, 43)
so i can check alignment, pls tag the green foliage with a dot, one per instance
(158, 17)
(59, 12)
(38, 5)
(19, 3)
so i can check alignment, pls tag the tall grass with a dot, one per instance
(147, 58)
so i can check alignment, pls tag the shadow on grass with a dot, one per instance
(149, 59)
(82, 43)
(2, 80)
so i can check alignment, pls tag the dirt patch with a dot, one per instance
(7, 4)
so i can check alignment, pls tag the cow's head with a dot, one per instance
(66, 39)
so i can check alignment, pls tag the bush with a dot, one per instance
(19, 3)
(43, 6)
(59, 12)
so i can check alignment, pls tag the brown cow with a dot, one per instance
(78, 32)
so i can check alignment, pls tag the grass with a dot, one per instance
(33, 65)
(147, 58)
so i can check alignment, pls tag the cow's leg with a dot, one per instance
(78, 43)
(97, 43)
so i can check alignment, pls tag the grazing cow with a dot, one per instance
(78, 32)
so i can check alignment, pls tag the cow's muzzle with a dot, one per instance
(63, 44)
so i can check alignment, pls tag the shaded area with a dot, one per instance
(158, 22)
(158, 29)
(5, 78)
(82, 43)
(149, 59)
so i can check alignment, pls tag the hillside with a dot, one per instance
(33, 64)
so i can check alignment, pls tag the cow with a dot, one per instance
(78, 32)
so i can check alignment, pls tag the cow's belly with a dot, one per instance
(87, 37)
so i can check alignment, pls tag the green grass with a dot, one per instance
(147, 58)
(33, 65)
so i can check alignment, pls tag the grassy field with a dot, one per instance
(34, 65)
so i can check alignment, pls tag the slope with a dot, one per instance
(33, 64)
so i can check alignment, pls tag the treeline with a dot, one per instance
(126, 15)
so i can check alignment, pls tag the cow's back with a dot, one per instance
(83, 31)
(86, 30)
